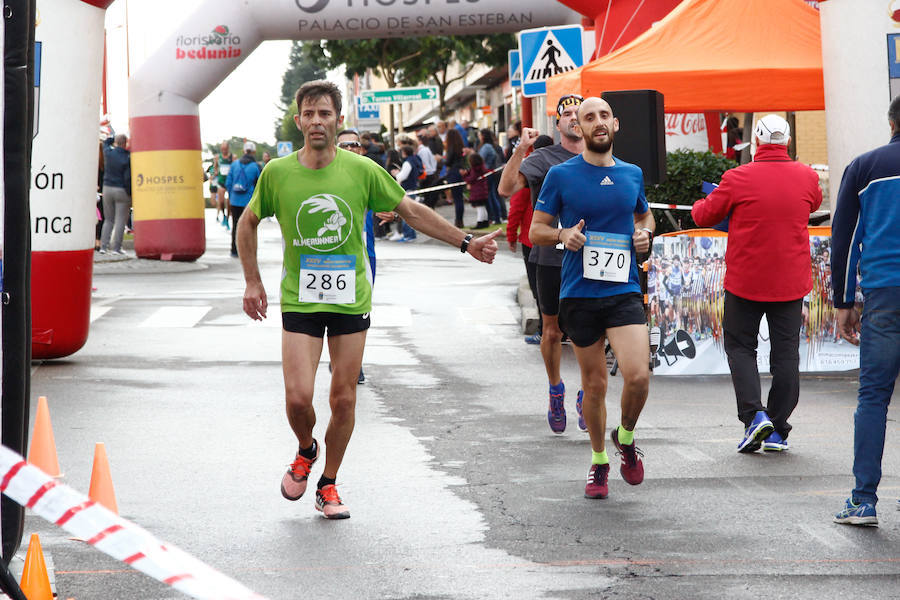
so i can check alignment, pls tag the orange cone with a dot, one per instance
(35, 581)
(102, 490)
(42, 452)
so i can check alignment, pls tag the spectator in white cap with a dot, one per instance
(241, 182)
(768, 272)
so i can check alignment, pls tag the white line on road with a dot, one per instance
(827, 535)
(176, 316)
(99, 311)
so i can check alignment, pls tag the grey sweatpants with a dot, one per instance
(116, 209)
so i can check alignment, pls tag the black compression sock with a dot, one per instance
(309, 453)
(323, 481)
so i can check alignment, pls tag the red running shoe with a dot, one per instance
(597, 482)
(632, 468)
(293, 484)
(328, 501)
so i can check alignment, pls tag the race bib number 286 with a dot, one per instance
(329, 279)
(607, 256)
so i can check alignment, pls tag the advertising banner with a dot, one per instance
(684, 285)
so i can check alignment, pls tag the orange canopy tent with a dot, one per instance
(726, 55)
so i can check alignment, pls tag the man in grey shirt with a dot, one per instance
(530, 172)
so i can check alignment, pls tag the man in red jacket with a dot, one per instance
(768, 271)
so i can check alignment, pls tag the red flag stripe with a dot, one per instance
(10, 474)
(106, 532)
(74, 511)
(40, 493)
(176, 578)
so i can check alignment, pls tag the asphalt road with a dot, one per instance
(456, 486)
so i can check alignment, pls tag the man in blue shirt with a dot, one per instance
(240, 183)
(604, 219)
(865, 231)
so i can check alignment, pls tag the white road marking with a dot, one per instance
(488, 315)
(99, 311)
(386, 315)
(176, 316)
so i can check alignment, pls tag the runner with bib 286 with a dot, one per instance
(605, 218)
(320, 195)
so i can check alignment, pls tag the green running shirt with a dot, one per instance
(322, 217)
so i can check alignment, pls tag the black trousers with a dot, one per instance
(741, 325)
(531, 271)
(236, 212)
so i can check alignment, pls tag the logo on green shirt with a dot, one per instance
(324, 222)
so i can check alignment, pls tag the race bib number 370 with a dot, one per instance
(329, 279)
(607, 256)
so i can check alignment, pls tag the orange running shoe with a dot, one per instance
(328, 501)
(293, 484)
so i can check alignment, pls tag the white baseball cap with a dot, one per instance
(249, 147)
(772, 129)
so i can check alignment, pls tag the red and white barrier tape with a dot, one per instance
(111, 534)
(686, 207)
(450, 185)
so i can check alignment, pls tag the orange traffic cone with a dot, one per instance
(35, 581)
(42, 452)
(102, 490)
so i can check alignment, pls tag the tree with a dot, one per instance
(301, 68)
(388, 57)
(438, 53)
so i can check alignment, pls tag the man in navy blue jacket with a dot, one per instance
(865, 231)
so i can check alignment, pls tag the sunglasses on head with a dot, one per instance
(349, 145)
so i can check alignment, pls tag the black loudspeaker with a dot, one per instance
(641, 138)
(680, 344)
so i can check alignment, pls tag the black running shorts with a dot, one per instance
(316, 323)
(548, 282)
(585, 320)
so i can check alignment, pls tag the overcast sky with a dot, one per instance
(244, 105)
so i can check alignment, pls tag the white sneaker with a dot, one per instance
(396, 237)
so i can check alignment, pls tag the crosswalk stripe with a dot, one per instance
(99, 311)
(176, 316)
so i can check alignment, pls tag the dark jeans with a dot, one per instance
(236, 212)
(531, 271)
(459, 205)
(879, 364)
(741, 325)
(431, 198)
(496, 206)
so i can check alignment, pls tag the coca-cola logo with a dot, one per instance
(685, 124)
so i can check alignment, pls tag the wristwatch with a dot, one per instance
(465, 243)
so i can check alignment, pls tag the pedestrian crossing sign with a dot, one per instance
(548, 51)
(284, 148)
(515, 69)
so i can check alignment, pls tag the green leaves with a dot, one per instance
(686, 170)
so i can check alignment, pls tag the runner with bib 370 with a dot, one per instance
(605, 218)
(320, 195)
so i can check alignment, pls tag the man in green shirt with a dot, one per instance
(320, 195)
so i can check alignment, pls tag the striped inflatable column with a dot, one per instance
(167, 187)
(68, 72)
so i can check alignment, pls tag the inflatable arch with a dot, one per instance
(164, 94)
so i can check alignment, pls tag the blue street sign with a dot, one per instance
(546, 52)
(894, 54)
(284, 148)
(515, 69)
(367, 112)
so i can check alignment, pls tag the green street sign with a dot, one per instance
(411, 94)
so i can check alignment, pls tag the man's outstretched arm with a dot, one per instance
(421, 218)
